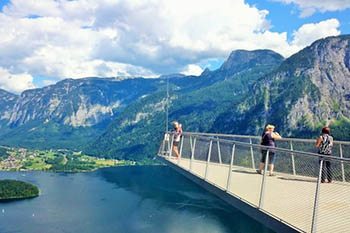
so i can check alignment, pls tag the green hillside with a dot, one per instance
(136, 132)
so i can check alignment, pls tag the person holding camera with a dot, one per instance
(268, 139)
(177, 132)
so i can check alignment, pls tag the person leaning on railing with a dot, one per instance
(268, 139)
(177, 132)
(324, 143)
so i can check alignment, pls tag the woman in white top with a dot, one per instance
(177, 132)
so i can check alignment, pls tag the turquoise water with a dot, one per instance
(124, 200)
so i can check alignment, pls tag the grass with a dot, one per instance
(55, 160)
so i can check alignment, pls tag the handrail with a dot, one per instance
(274, 148)
(257, 137)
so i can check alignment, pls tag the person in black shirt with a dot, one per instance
(268, 139)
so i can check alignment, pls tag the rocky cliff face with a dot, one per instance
(240, 60)
(330, 73)
(308, 88)
(77, 103)
(7, 102)
(69, 113)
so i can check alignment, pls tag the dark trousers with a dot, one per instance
(326, 171)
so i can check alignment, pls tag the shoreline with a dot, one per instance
(85, 171)
(18, 198)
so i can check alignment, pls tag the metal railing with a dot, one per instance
(295, 196)
(340, 149)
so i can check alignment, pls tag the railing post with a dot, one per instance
(160, 148)
(208, 160)
(252, 153)
(171, 146)
(191, 142)
(342, 163)
(192, 152)
(292, 154)
(262, 191)
(219, 151)
(317, 196)
(228, 185)
(165, 143)
(181, 146)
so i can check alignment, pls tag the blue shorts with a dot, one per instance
(271, 156)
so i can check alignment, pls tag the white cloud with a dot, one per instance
(308, 33)
(192, 69)
(72, 39)
(15, 82)
(309, 7)
(48, 82)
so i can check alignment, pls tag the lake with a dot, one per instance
(122, 200)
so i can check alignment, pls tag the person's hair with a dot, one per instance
(175, 123)
(269, 126)
(326, 130)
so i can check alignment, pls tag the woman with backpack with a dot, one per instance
(324, 143)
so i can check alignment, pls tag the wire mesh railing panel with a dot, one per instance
(256, 141)
(333, 212)
(239, 139)
(245, 182)
(283, 144)
(242, 156)
(186, 147)
(214, 156)
(335, 150)
(305, 146)
(306, 166)
(226, 152)
(284, 162)
(161, 150)
(345, 151)
(201, 149)
(257, 156)
(234, 138)
(346, 167)
(335, 171)
(292, 197)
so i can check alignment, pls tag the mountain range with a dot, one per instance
(124, 118)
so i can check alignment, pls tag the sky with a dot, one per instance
(45, 41)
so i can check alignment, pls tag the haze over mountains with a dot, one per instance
(125, 118)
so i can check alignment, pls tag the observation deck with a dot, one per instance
(294, 200)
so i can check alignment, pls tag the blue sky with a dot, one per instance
(85, 38)
(3, 3)
(286, 17)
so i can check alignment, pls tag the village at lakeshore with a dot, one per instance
(20, 159)
(59, 160)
